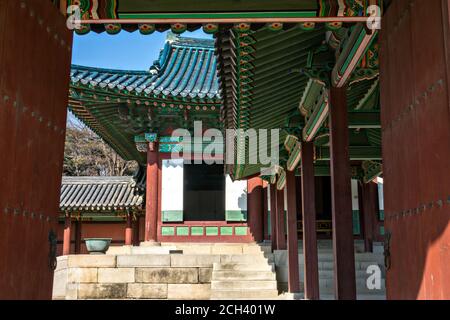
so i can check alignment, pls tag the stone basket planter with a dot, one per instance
(97, 245)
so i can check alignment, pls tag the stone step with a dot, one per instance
(243, 294)
(327, 286)
(244, 266)
(256, 258)
(244, 285)
(241, 275)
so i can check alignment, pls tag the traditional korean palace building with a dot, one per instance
(197, 202)
(357, 92)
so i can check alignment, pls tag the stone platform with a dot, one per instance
(151, 272)
(200, 271)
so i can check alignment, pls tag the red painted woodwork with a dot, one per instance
(129, 230)
(310, 254)
(273, 216)
(266, 210)
(281, 222)
(415, 113)
(34, 81)
(368, 196)
(136, 231)
(255, 208)
(341, 197)
(67, 238)
(292, 238)
(152, 194)
(78, 237)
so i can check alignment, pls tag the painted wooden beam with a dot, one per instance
(354, 48)
(343, 243)
(364, 120)
(355, 153)
(318, 116)
(292, 236)
(310, 254)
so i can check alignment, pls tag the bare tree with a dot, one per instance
(86, 154)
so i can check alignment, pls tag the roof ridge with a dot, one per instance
(96, 179)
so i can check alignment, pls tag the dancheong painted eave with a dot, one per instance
(185, 71)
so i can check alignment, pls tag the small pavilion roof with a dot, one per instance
(186, 68)
(100, 194)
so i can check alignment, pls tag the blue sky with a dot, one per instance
(129, 51)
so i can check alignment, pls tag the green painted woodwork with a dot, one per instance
(290, 142)
(381, 215)
(172, 215)
(294, 157)
(382, 231)
(168, 231)
(213, 15)
(212, 231)
(226, 231)
(236, 215)
(356, 223)
(317, 118)
(151, 137)
(372, 170)
(182, 231)
(313, 90)
(240, 231)
(196, 231)
(355, 153)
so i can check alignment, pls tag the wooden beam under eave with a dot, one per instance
(361, 153)
(355, 48)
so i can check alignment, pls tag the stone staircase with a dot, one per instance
(246, 276)
(326, 274)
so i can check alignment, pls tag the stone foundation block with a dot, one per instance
(91, 261)
(102, 291)
(71, 291)
(115, 275)
(224, 249)
(198, 260)
(147, 291)
(82, 275)
(167, 275)
(204, 275)
(154, 260)
(189, 291)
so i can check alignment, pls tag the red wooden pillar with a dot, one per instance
(136, 233)
(343, 243)
(129, 230)
(273, 216)
(281, 223)
(152, 193)
(67, 237)
(369, 209)
(292, 236)
(265, 211)
(310, 255)
(78, 237)
(255, 208)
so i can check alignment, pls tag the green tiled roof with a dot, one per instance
(186, 68)
(179, 88)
